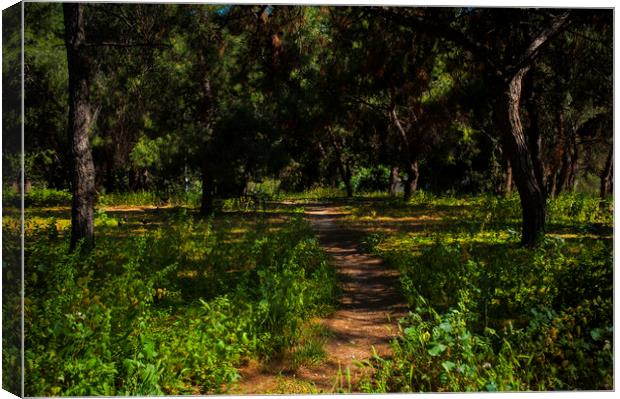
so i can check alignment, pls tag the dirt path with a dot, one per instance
(366, 317)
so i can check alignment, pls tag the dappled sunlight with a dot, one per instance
(468, 256)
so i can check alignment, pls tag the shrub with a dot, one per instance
(38, 196)
(375, 178)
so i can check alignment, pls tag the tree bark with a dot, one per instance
(607, 174)
(81, 120)
(534, 137)
(523, 150)
(394, 181)
(508, 180)
(411, 184)
(411, 155)
(532, 195)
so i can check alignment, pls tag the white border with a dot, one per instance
(498, 3)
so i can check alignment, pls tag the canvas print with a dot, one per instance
(297, 199)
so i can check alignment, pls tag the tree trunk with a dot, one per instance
(552, 183)
(556, 160)
(572, 176)
(206, 202)
(535, 139)
(607, 174)
(411, 184)
(411, 154)
(533, 200)
(394, 181)
(345, 174)
(564, 177)
(81, 120)
(508, 181)
(343, 164)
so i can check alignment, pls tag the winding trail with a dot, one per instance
(365, 318)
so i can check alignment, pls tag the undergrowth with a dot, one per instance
(487, 315)
(173, 311)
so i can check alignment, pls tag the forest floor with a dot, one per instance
(365, 319)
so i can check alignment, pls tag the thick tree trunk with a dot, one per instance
(81, 120)
(206, 201)
(535, 140)
(411, 184)
(533, 200)
(394, 181)
(607, 175)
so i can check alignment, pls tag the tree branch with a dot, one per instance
(543, 38)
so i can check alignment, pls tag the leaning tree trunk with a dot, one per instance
(81, 120)
(411, 184)
(533, 200)
(524, 159)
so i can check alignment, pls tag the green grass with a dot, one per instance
(309, 350)
(174, 307)
(488, 315)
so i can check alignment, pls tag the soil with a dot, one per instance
(365, 318)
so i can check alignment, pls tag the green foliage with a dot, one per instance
(487, 315)
(146, 152)
(313, 194)
(580, 207)
(47, 197)
(371, 179)
(176, 310)
(149, 198)
(11, 300)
